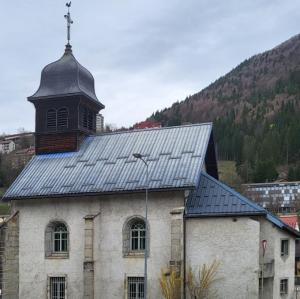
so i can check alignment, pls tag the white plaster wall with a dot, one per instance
(111, 267)
(284, 267)
(234, 244)
(34, 267)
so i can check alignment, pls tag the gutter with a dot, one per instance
(291, 231)
(262, 213)
(284, 226)
(46, 196)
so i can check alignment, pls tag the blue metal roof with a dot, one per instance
(104, 163)
(215, 198)
(212, 198)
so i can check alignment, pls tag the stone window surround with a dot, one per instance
(126, 238)
(48, 240)
(126, 276)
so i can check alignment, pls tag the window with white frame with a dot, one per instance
(138, 236)
(284, 250)
(60, 238)
(284, 286)
(135, 287)
(56, 240)
(57, 287)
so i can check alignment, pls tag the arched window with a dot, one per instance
(62, 118)
(56, 239)
(51, 119)
(138, 235)
(134, 236)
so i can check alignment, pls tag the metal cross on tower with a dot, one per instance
(69, 21)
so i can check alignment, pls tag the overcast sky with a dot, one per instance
(144, 55)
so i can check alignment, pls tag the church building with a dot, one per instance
(80, 229)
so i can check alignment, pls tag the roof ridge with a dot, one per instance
(154, 129)
(206, 148)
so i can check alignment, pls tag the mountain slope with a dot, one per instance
(255, 109)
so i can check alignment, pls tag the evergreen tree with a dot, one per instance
(264, 171)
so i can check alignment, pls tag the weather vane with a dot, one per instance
(69, 21)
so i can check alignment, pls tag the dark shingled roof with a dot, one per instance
(214, 199)
(66, 77)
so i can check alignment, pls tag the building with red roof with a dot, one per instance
(291, 220)
(147, 124)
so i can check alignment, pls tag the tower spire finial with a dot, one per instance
(69, 22)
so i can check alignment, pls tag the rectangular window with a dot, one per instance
(283, 286)
(57, 287)
(60, 242)
(135, 287)
(134, 240)
(284, 247)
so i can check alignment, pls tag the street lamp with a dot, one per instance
(264, 246)
(140, 157)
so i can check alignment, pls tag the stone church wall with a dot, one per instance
(110, 267)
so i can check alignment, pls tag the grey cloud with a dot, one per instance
(144, 54)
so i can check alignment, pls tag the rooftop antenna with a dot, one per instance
(69, 22)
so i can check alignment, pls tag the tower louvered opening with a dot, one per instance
(91, 120)
(87, 119)
(62, 118)
(83, 117)
(51, 119)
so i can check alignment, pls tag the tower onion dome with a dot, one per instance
(66, 77)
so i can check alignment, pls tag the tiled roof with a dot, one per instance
(212, 198)
(105, 164)
(215, 198)
(291, 220)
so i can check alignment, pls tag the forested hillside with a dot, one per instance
(255, 109)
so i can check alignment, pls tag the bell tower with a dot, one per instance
(66, 104)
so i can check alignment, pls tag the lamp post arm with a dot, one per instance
(139, 156)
